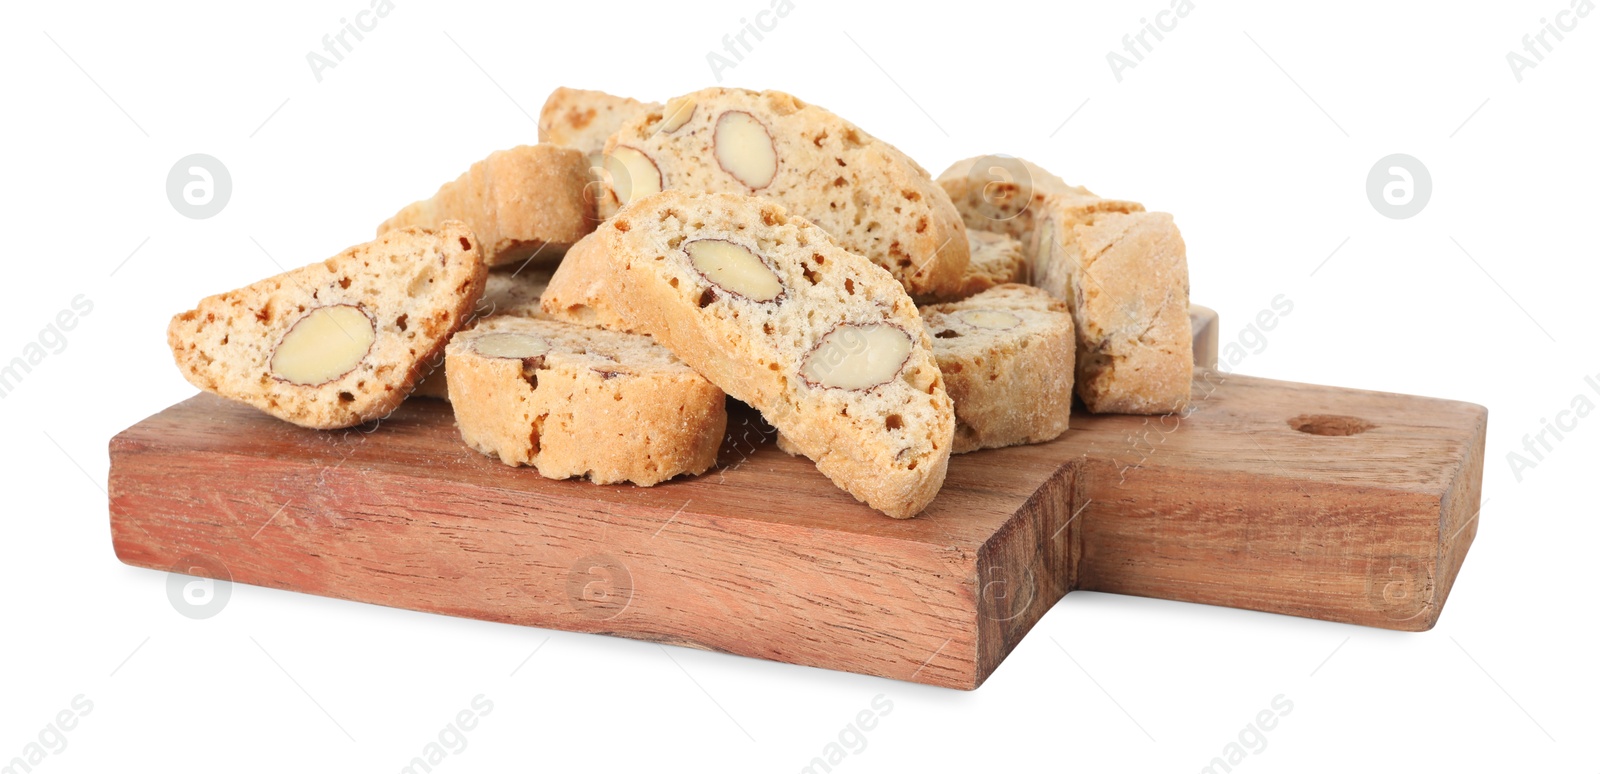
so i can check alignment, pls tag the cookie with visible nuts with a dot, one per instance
(825, 344)
(872, 198)
(527, 203)
(581, 402)
(336, 343)
(996, 260)
(1007, 359)
(1125, 278)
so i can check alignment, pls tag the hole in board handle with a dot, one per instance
(1330, 424)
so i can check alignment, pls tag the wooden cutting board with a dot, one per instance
(1322, 502)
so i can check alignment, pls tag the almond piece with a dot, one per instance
(677, 113)
(515, 346)
(633, 174)
(323, 345)
(734, 268)
(989, 319)
(857, 357)
(744, 149)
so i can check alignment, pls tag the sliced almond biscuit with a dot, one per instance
(582, 402)
(1007, 359)
(825, 344)
(872, 198)
(1125, 277)
(576, 290)
(529, 202)
(336, 343)
(996, 260)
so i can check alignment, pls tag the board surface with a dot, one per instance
(1323, 502)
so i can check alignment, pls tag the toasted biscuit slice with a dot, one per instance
(336, 343)
(826, 345)
(1006, 355)
(576, 291)
(573, 401)
(872, 198)
(529, 202)
(1125, 277)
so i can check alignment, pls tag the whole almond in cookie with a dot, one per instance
(825, 344)
(872, 198)
(340, 342)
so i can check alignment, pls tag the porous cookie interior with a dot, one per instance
(872, 198)
(824, 292)
(413, 287)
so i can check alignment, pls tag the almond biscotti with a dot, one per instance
(826, 345)
(336, 343)
(582, 402)
(1002, 193)
(584, 119)
(529, 202)
(872, 198)
(1007, 359)
(996, 260)
(1125, 277)
(576, 290)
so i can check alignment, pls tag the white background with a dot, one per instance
(1265, 178)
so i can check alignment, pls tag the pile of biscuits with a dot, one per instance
(588, 304)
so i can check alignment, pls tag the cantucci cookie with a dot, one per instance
(996, 260)
(336, 343)
(584, 119)
(582, 402)
(1125, 277)
(1006, 355)
(872, 198)
(508, 291)
(826, 345)
(1002, 193)
(530, 202)
(575, 292)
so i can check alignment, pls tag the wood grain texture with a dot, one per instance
(763, 557)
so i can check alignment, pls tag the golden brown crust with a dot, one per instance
(1126, 279)
(611, 407)
(529, 202)
(576, 291)
(418, 287)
